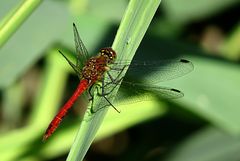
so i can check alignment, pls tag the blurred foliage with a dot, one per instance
(201, 126)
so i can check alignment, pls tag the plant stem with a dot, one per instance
(16, 19)
(133, 26)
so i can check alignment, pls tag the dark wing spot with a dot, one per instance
(184, 61)
(175, 90)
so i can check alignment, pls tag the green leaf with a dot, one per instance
(28, 43)
(188, 10)
(212, 92)
(13, 22)
(130, 33)
(209, 144)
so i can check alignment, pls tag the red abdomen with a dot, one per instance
(82, 86)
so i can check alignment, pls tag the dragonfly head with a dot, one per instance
(109, 54)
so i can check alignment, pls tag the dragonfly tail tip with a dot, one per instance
(45, 137)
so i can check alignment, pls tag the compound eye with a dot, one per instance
(109, 53)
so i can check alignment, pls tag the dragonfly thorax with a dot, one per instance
(89, 71)
(95, 67)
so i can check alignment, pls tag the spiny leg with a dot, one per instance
(104, 96)
(101, 88)
(100, 92)
(116, 81)
(92, 88)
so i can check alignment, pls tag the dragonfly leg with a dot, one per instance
(100, 92)
(116, 81)
(111, 104)
(104, 95)
(92, 87)
(90, 92)
(104, 85)
(101, 88)
(117, 78)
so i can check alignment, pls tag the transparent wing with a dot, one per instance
(132, 93)
(138, 88)
(81, 51)
(156, 71)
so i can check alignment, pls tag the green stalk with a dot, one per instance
(133, 26)
(14, 21)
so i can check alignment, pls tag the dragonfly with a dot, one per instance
(93, 69)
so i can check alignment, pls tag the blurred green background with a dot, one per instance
(35, 81)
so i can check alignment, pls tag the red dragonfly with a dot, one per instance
(92, 70)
